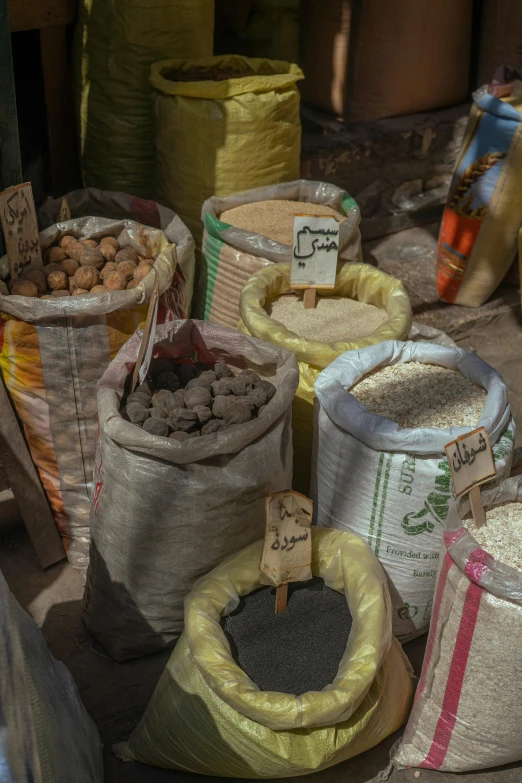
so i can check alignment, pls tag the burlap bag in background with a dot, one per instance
(468, 708)
(53, 352)
(164, 513)
(392, 485)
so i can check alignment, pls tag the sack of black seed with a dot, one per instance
(181, 472)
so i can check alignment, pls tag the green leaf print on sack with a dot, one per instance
(436, 505)
(504, 445)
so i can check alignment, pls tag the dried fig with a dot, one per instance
(139, 397)
(268, 388)
(157, 366)
(168, 380)
(132, 284)
(241, 385)
(220, 405)
(156, 426)
(212, 426)
(54, 255)
(137, 413)
(24, 288)
(79, 291)
(254, 377)
(115, 281)
(194, 397)
(198, 383)
(144, 388)
(157, 413)
(258, 397)
(222, 370)
(91, 256)
(158, 398)
(86, 277)
(208, 375)
(185, 372)
(237, 414)
(203, 413)
(222, 387)
(173, 401)
(57, 280)
(183, 419)
(98, 289)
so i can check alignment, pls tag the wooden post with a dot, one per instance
(477, 507)
(309, 298)
(281, 598)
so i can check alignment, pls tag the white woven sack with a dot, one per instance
(393, 485)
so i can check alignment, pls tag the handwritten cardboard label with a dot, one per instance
(315, 252)
(471, 461)
(147, 340)
(287, 548)
(20, 227)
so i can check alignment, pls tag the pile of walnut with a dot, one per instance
(183, 401)
(76, 267)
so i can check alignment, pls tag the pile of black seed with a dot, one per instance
(296, 651)
(190, 399)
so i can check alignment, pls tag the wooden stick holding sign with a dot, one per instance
(20, 227)
(471, 462)
(65, 211)
(141, 367)
(287, 548)
(314, 255)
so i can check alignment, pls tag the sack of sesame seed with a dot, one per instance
(468, 709)
(379, 468)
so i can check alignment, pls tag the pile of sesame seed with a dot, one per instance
(501, 536)
(421, 395)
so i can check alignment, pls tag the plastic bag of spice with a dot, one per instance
(361, 282)
(54, 352)
(251, 733)
(46, 735)
(232, 254)
(223, 124)
(165, 512)
(468, 708)
(388, 481)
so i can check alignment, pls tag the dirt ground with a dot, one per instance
(116, 694)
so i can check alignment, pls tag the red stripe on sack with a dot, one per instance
(450, 704)
(441, 585)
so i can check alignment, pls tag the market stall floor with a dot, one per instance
(116, 694)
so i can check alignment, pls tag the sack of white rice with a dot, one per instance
(250, 230)
(468, 708)
(379, 466)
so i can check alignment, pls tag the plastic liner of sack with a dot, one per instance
(483, 213)
(251, 733)
(231, 255)
(468, 707)
(115, 45)
(356, 281)
(164, 512)
(223, 124)
(392, 485)
(54, 352)
(46, 735)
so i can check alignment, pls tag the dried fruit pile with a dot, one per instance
(76, 267)
(183, 401)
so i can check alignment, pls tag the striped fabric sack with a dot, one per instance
(54, 352)
(468, 707)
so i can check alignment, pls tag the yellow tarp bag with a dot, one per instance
(206, 715)
(224, 124)
(356, 281)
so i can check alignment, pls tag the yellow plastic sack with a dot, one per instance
(116, 42)
(206, 715)
(356, 281)
(218, 135)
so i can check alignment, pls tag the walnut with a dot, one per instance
(59, 292)
(51, 268)
(155, 426)
(67, 241)
(79, 291)
(109, 242)
(54, 255)
(237, 414)
(86, 277)
(109, 267)
(222, 370)
(137, 413)
(126, 254)
(92, 257)
(126, 268)
(98, 289)
(212, 426)
(69, 266)
(141, 271)
(57, 280)
(132, 284)
(115, 281)
(71, 285)
(90, 243)
(108, 252)
(24, 288)
(183, 419)
(76, 251)
(197, 396)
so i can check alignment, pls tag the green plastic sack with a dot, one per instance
(207, 716)
(217, 136)
(116, 42)
(356, 281)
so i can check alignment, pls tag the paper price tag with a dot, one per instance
(287, 548)
(20, 227)
(471, 461)
(315, 252)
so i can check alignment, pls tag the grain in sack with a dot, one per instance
(54, 351)
(483, 213)
(260, 233)
(361, 283)
(164, 512)
(252, 733)
(467, 712)
(379, 466)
